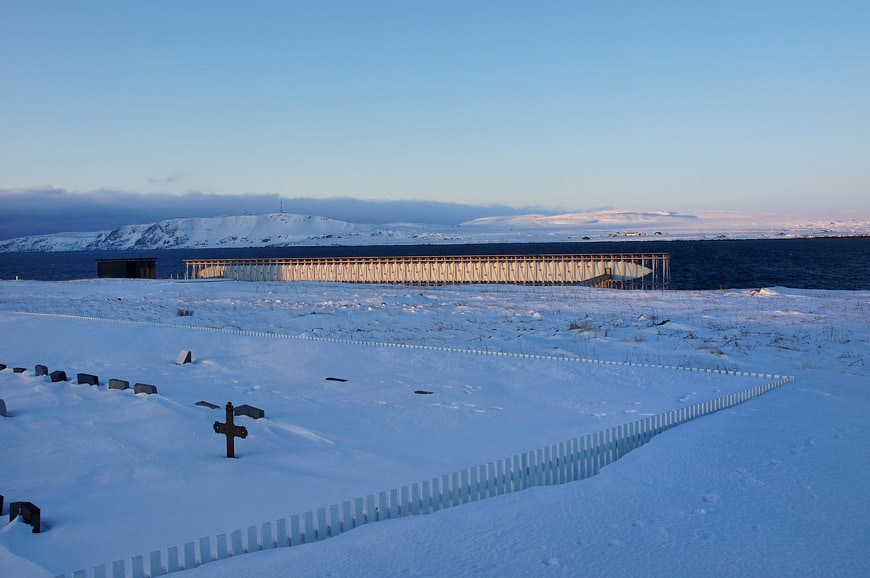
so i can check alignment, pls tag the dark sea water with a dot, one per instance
(825, 263)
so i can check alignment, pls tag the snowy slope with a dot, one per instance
(775, 486)
(230, 231)
(284, 230)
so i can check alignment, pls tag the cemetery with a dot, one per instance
(337, 432)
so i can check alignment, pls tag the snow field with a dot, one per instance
(323, 442)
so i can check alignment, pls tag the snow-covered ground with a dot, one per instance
(280, 229)
(775, 486)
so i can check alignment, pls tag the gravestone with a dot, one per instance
(41, 370)
(144, 388)
(2, 366)
(28, 512)
(58, 375)
(2, 414)
(206, 404)
(19, 369)
(119, 384)
(250, 411)
(184, 357)
(230, 430)
(1, 504)
(87, 379)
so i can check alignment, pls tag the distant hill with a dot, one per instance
(281, 230)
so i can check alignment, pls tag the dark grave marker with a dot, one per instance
(206, 404)
(2, 410)
(2, 366)
(250, 411)
(41, 370)
(28, 512)
(119, 384)
(1, 504)
(423, 392)
(230, 430)
(58, 375)
(184, 357)
(19, 369)
(87, 379)
(144, 388)
(336, 379)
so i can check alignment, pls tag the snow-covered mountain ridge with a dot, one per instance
(280, 229)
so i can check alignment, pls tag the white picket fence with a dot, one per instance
(575, 459)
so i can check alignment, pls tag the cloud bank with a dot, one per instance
(48, 210)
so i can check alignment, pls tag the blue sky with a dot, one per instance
(554, 106)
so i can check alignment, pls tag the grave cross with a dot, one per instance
(231, 430)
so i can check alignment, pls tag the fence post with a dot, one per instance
(591, 454)
(322, 531)
(404, 505)
(524, 470)
(603, 449)
(371, 512)
(618, 438)
(281, 538)
(456, 487)
(548, 466)
(221, 547)
(446, 492)
(205, 550)
(539, 467)
(359, 516)
(346, 516)
(425, 498)
(436, 494)
(416, 505)
(382, 509)
(189, 555)
(266, 540)
(295, 530)
(309, 534)
(137, 564)
(253, 546)
(155, 566)
(516, 473)
(172, 559)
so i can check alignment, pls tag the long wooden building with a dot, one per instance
(623, 270)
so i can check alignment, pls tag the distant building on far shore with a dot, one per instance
(138, 268)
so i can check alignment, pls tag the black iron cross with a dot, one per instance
(231, 430)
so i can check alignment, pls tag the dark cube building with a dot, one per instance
(138, 268)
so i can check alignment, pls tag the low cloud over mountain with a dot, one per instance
(284, 229)
(47, 210)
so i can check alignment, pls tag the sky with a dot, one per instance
(438, 110)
